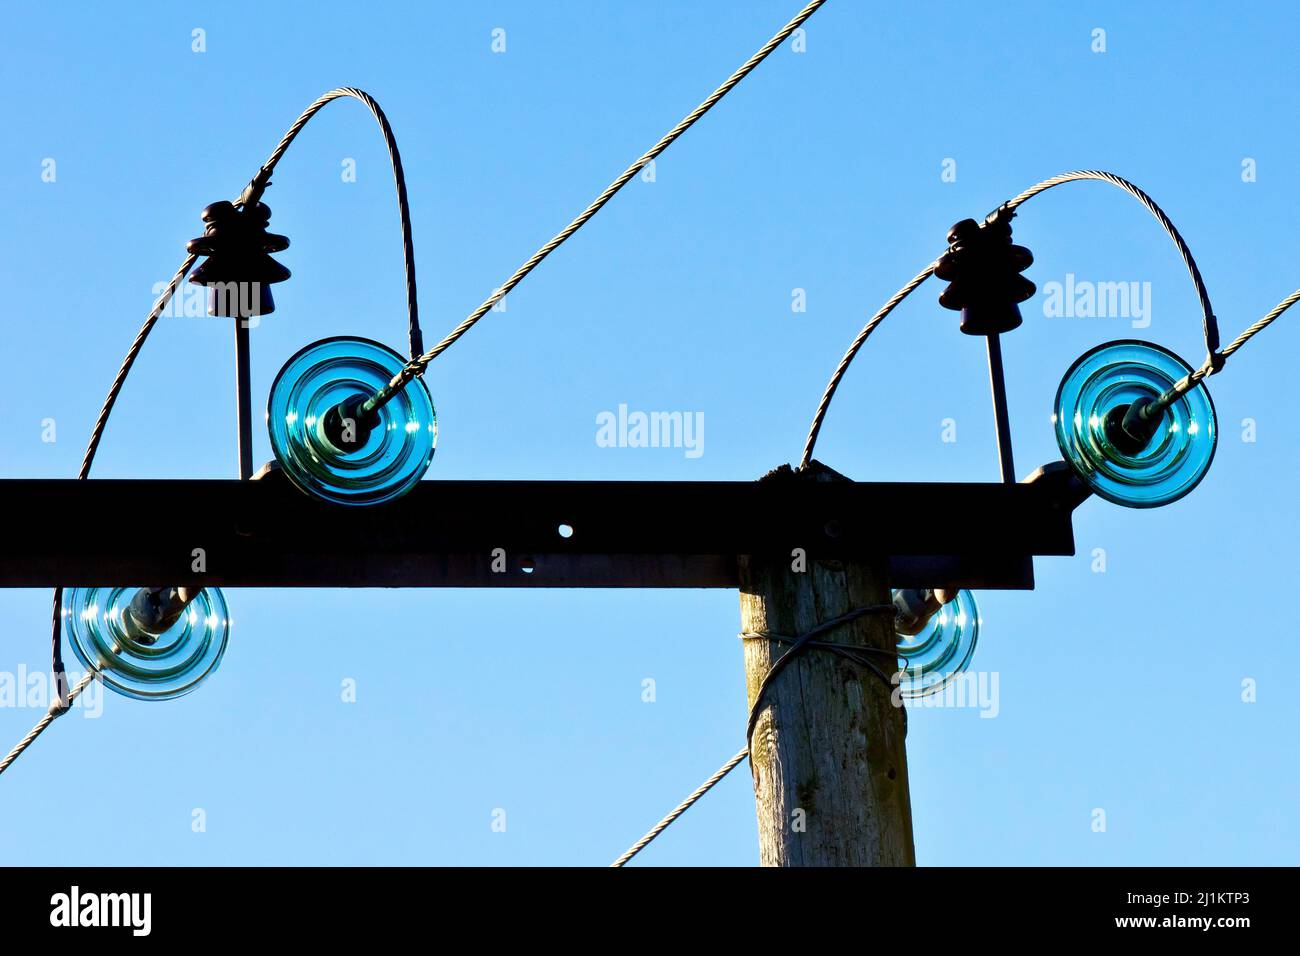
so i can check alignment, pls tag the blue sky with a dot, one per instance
(1119, 690)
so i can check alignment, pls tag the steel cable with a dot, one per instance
(257, 186)
(681, 808)
(60, 706)
(96, 435)
(824, 405)
(1190, 381)
(797, 645)
(1262, 324)
(418, 365)
(1209, 322)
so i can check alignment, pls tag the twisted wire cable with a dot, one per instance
(1262, 324)
(824, 405)
(418, 365)
(60, 706)
(681, 808)
(1209, 321)
(797, 645)
(97, 434)
(1190, 381)
(263, 179)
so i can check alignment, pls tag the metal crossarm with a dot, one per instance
(657, 534)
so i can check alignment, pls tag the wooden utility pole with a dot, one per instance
(827, 753)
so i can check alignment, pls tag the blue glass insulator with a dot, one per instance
(1092, 396)
(140, 664)
(934, 656)
(392, 452)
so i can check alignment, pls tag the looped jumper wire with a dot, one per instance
(1214, 360)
